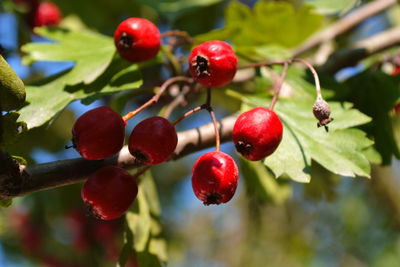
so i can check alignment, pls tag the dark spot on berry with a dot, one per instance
(125, 41)
(243, 148)
(89, 211)
(201, 65)
(139, 156)
(213, 198)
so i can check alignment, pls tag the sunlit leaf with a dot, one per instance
(261, 183)
(51, 96)
(91, 52)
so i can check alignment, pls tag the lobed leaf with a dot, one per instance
(91, 52)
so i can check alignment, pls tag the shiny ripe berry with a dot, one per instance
(213, 63)
(137, 39)
(153, 140)
(47, 14)
(214, 178)
(98, 133)
(109, 192)
(257, 133)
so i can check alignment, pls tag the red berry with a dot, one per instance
(213, 63)
(137, 39)
(214, 178)
(47, 14)
(109, 192)
(98, 133)
(396, 71)
(153, 140)
(257, 133)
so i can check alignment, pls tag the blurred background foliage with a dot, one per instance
(331, 221)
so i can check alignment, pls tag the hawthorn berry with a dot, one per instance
(153, 140)
(257, 133)
(137, 39)
(99, 133)
(47, 14)
(213, 63)
(109, 192)
(214, 178)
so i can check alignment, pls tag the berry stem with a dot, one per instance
(208, 107)
(179, 100)
(177, 70)
(157, 96)
(214, 120)
(189, 113)
(176, 33)
(262, 64)
(278, 85)
(314, 73)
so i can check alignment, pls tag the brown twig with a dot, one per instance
(361, 50)
(343, 25)
(37, 177)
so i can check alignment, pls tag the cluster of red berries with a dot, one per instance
(40, 13)
(100, 133)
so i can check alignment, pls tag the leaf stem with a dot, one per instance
(157, 96)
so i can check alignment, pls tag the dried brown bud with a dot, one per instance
(322, 111)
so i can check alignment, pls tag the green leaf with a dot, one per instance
(139, 222)
(144, 230)
(49, 97)
(176, 8)
(91, 52)
(339, 150)
(265, 24)
(329, 7)
(150, 191)
(375, 94)
(260, 183)
(11, 129)
(5, 203)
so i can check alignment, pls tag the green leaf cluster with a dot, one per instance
(97, 71)
(343, 150)
(143, 236)
(269, 27)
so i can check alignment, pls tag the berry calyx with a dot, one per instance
(257, 133)
(109, 192)
(322, 112)
(153, 140)
(137, 39)
(99, 133)
(47, 14)
(213, 63)
(214, 178)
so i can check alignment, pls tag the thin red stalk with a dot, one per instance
(157, 96)
(189, 113)
(314, 73)
(261, 64)
(278, 86)
(176, 33)
(214, 120)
